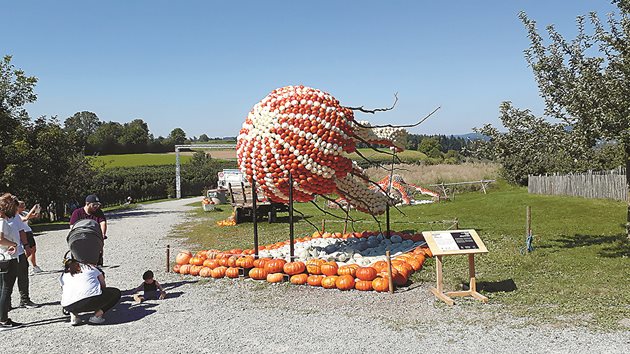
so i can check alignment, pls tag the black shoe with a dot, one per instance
(29, 305)
(9, 325)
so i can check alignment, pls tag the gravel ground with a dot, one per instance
(207, 315)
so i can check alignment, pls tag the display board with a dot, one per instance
(454, 242)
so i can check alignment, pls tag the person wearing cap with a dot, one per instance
(91, 210)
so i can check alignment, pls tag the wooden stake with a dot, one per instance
(168, 258)
(389, 272)
(323, 225)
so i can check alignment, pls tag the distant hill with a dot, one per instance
(473, 136)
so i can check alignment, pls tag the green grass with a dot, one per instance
(130, 160)
(577, 274)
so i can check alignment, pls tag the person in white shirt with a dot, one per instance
(23, 252)
(83, 289)
(9, 249)
(33, 213)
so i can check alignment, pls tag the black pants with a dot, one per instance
(7, 280)
(108, 299)
(22, 279)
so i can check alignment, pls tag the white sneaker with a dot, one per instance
(74, 319)
(96, 320)
(36, 270)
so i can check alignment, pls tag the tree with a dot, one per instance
(204, 138)
(105, 138)
(177, 136)
(586, 81)
(134, 136)
(16, 90)
(83, 124)
(426, 145)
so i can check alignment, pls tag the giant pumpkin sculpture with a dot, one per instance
(307, 133)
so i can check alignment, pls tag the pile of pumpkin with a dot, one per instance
(314, 272)
(230, 221)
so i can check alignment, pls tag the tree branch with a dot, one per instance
(372, 111)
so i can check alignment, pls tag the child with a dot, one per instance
(149, 288)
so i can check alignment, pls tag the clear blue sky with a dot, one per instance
(202, 65)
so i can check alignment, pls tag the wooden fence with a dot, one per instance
(606, 184)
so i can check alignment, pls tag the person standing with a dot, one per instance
(9, 245)
(91, 210)
(33, 213)
(22, 252)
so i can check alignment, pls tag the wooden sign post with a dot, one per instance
(454, 242)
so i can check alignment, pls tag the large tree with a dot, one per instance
(586, 81)
(135, 136)
(83, 124)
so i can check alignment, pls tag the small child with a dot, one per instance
(149, 288)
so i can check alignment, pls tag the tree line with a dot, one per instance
(44, 161)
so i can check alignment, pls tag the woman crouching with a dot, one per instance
(83, 290)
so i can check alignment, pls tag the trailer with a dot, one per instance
(242, 202)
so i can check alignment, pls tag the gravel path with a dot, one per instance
(244, 315)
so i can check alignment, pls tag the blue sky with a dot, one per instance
(202, 65)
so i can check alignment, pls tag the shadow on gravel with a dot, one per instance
(173, 285)
(128, 311)
(135, 213)
(46, 321)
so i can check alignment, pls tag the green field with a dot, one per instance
(130, 160)
(577, 274)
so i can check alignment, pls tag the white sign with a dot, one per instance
(445, 241)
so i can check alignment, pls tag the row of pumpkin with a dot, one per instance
(314, 272)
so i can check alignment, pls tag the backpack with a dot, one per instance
(85, 241)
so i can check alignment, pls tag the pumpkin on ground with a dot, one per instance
(205, 272)
(231, 272)
(194, 270)
(183, 257)
(366, 273)
(299, 279)
(329, 268)
(275, 277)
(211, 263)
(258, 273)
(380, 284)
(232, 261)
(345, 282)
(260, 262)
(314, 266)
(329, 282)
(363, 285)
(196, 261)
(245, 262)
(218, 272)
(347, 270)
(293, 268)
(275, 265)
(184, 269)
(315, 280)
(176, 268)
(380, 266)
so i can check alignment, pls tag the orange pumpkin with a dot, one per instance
(366, 273)
(184, 269)
(231, 272)
(363, 285)
(211, 263)
(275, 265)
(329, 282)
(218, 272)
(315, 280)
(314, 266)
(194, 270)
(329, 268)
(380, 284)
(299, 279)
(183, 257)
(260, 262)
(380, 266)
(197, 261)
(293, 268)
(205, 272)
(176, 268)
(245, 262)
(275, 277)
(345, 282)
(232, 261)
(258, 273)
(398, 277)
(347, 270)
(223, 261)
